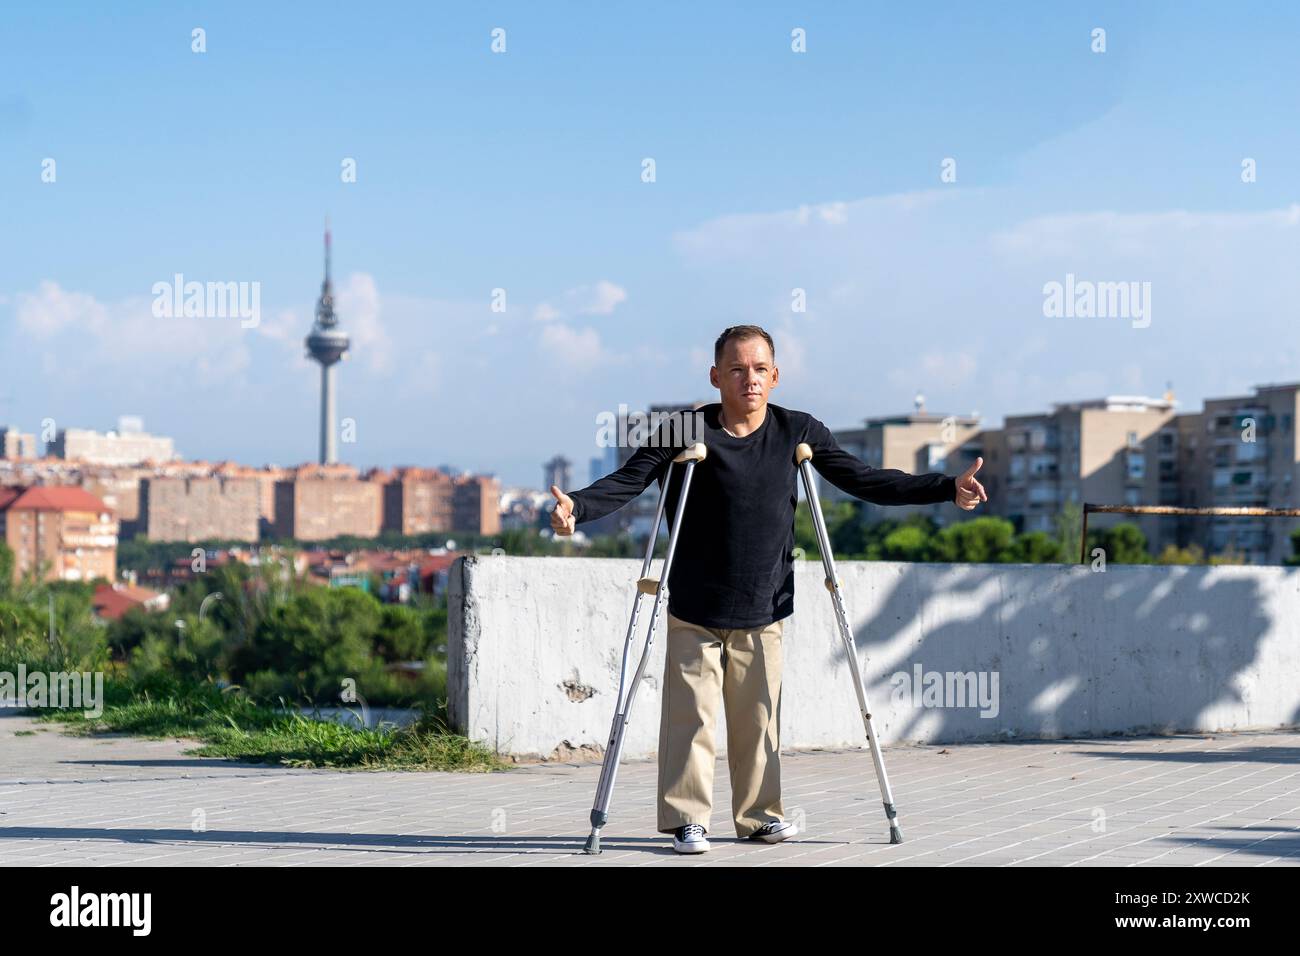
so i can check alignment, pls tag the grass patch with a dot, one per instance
(231, 726)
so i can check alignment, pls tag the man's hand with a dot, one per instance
(969, 491)
(562, 520)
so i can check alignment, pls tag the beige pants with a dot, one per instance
(745, 665)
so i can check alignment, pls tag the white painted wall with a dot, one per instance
(1075, 652)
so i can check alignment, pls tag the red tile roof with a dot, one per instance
(111, 603)
(54, 498)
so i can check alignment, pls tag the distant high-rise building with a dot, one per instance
(1120, 450)
(112, 448)
(558, 472)
(327, 344)
(15, 445)
(1240, 451)
(917, 442)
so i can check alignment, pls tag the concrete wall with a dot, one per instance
(535, 647)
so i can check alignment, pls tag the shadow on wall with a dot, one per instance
(1176, 645)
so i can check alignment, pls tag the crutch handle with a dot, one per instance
(802, 453)
(695, 453)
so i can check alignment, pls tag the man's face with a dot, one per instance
(745, 374)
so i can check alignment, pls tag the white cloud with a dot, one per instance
(952, 370)
(942, 292)
(93, 340)
(360, 314)
(742, 235)
(599, 298)
(577, 348)
(51, 309)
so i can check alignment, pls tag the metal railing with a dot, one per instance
(1171, 510)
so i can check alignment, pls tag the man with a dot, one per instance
(732, 581)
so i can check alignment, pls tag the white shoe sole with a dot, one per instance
(695, 846)
(777, 837)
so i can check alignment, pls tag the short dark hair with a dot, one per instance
(741, 332)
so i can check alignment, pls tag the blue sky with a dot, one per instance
(775, 170)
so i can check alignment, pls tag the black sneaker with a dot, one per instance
(690, 839)
(775, 831)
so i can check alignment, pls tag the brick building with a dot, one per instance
(199, 509)
(320, 502)
(59, 534)
(417, 501)
(476, 504)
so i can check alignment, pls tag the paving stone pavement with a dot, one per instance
(1212, 800)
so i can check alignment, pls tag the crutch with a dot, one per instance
(803, 459)
(627, 691)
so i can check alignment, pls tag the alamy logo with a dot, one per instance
(208, 300)
(103, 909)
(935, 689)
(62, 689)
(624, 429)
(1085, 299)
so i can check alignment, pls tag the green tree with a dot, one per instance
(1123, 543)
(1172, 554)
(307, 647)
(1069, 527)
(986, 539)
(1037, 547)
(6, 571)
(906, 543)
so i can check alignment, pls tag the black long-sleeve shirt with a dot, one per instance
(734, 562)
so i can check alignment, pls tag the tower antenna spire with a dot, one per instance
(327, 345)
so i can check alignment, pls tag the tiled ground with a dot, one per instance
(1227, 799)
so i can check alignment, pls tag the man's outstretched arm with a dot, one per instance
(611, 492)
(881, 486)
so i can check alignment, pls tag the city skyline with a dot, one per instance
(776, 171)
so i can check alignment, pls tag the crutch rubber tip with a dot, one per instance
(593, 845)
(895, 835)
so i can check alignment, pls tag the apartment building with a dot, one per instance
(917, 442)
(199, 509)
(1240, 452)
(417, 500)
(129, 445)
(16, 445)
(320, 502)
(58, 534)
(1114, 450)
(476, 504)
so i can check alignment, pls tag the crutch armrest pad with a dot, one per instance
(802, 453)
(695, 453)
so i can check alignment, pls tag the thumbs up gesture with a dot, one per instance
(969, 491)
(562, 520)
